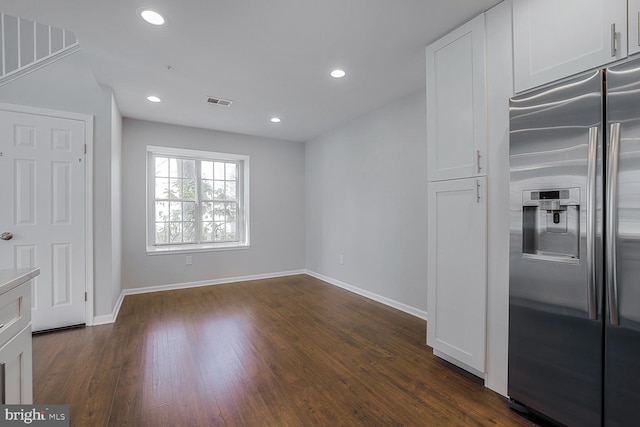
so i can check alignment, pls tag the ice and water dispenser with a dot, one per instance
(551, 224)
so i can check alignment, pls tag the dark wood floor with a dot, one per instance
(290, 351)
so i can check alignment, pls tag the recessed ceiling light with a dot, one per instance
(275, 120)
(152, 17)
(338, 74)
(153, 98)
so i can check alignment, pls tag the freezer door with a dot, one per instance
(555, 312)
(622, 332)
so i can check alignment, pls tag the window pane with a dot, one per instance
(230, 190)
(230, 231)
(162, 233)
(175, 232)
(219, 231)
(162, 211)
(189, 213)
(189, 232)
(189, 189)
(207, 189)
(175, 209)
(207, 211)
(207, 231)
(218, 170)
(219, 213)
(162, 188)
(206, 170)
(162, 166)
(175, 165)
(230, 172)
(218, 190)
(175, 189)
(231, 212)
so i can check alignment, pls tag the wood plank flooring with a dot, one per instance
(290, 351)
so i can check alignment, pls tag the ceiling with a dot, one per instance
(272, 58)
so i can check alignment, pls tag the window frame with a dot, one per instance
(242, 183)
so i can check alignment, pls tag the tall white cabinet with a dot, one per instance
(457, 223)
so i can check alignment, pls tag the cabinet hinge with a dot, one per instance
(85, 296)
(85, 148)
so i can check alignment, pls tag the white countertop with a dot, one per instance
(12, 278)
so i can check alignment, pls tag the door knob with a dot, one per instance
(6, 236)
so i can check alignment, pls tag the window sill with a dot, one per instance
(181, 249)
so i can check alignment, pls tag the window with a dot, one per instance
(197, 200)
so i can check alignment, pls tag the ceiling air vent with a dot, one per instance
(219, 101)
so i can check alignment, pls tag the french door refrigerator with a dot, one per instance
(574, 291)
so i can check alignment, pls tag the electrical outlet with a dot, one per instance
(189, 261)
(341, 259)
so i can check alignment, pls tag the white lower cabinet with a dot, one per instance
(457, 271)
(16, 369)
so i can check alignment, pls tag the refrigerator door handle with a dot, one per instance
(612, 218)
(592, 164)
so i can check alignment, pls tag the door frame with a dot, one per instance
(88, 189)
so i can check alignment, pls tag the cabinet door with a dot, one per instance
(554, 39)
(456, 103)
(457, 259)
(634, 26)
(18, 377)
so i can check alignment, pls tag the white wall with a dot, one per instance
(366, 199)
(277, 207)
(69, 85)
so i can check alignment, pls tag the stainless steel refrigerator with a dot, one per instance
(574, 291)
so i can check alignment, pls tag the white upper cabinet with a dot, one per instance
(634, 26)
(554, 39)
(456, 103)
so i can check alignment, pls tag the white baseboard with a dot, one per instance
(111, 318)
(172, 287)
(422, 314)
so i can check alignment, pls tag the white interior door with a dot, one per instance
(42, 178)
